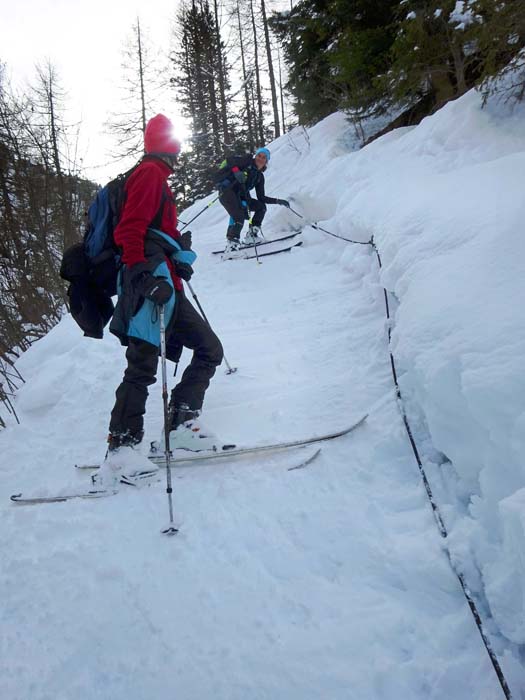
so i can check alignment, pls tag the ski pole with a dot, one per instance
(256, 254)
(201, 212)
(296, 212)
(171, 529)
(230, 370)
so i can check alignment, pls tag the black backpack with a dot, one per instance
(92, 266)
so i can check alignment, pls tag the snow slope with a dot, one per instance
(330, 581)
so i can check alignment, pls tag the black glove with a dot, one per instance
(156, 289)
(283, 202)
(183, 270)
(185, 240)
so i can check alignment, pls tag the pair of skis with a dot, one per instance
(195, 459)
(243, 253)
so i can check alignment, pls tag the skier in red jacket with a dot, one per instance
(156, 257)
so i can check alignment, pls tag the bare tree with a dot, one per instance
(48, 133)
(139, 85)
(40, 205)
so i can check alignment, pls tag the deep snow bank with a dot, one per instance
(445, 204)
(279, 578)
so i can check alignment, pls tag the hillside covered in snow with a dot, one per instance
(330, 581)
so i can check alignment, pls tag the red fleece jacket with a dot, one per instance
(144, 189)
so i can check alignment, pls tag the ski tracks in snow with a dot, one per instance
(325, 582)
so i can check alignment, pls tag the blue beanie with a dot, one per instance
(265, 151)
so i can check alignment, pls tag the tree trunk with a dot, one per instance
(251, 139)
(48, 84)
(459, 68)
(221, 76)
(141, 78)
(281, 91)
(214, 112)
(260, 121)
(277, 128)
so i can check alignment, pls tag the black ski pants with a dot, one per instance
(231, 201)
(187, 330)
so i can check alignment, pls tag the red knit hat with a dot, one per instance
(159, 138)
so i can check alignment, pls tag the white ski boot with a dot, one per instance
(232, 249)
(254, 236)
(189, 433)
(124, 464)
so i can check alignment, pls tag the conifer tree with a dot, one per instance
(222, 72)
(500, 39)
(200, 76)
(269, 57)
(370, 56)
(306, 33)
(429, 58)
(246, 80)
(363, 32)
(258, 111)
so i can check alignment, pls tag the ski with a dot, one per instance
(134, 480)
(200, 457)
(238, 452)
(306, 461)
(33, 500)
(263, 255)
(137, 479)
(264, 242)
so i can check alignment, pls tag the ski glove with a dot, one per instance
(156, 289)
(185, 240)
(283, 203)
(183, 270)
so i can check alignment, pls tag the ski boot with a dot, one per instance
(188, 432)
(232, 249)
(124, 463)
(254, 236)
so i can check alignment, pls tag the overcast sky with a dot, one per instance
(83, 40)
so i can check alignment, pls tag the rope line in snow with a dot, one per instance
(435, 509)
(335, 235)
